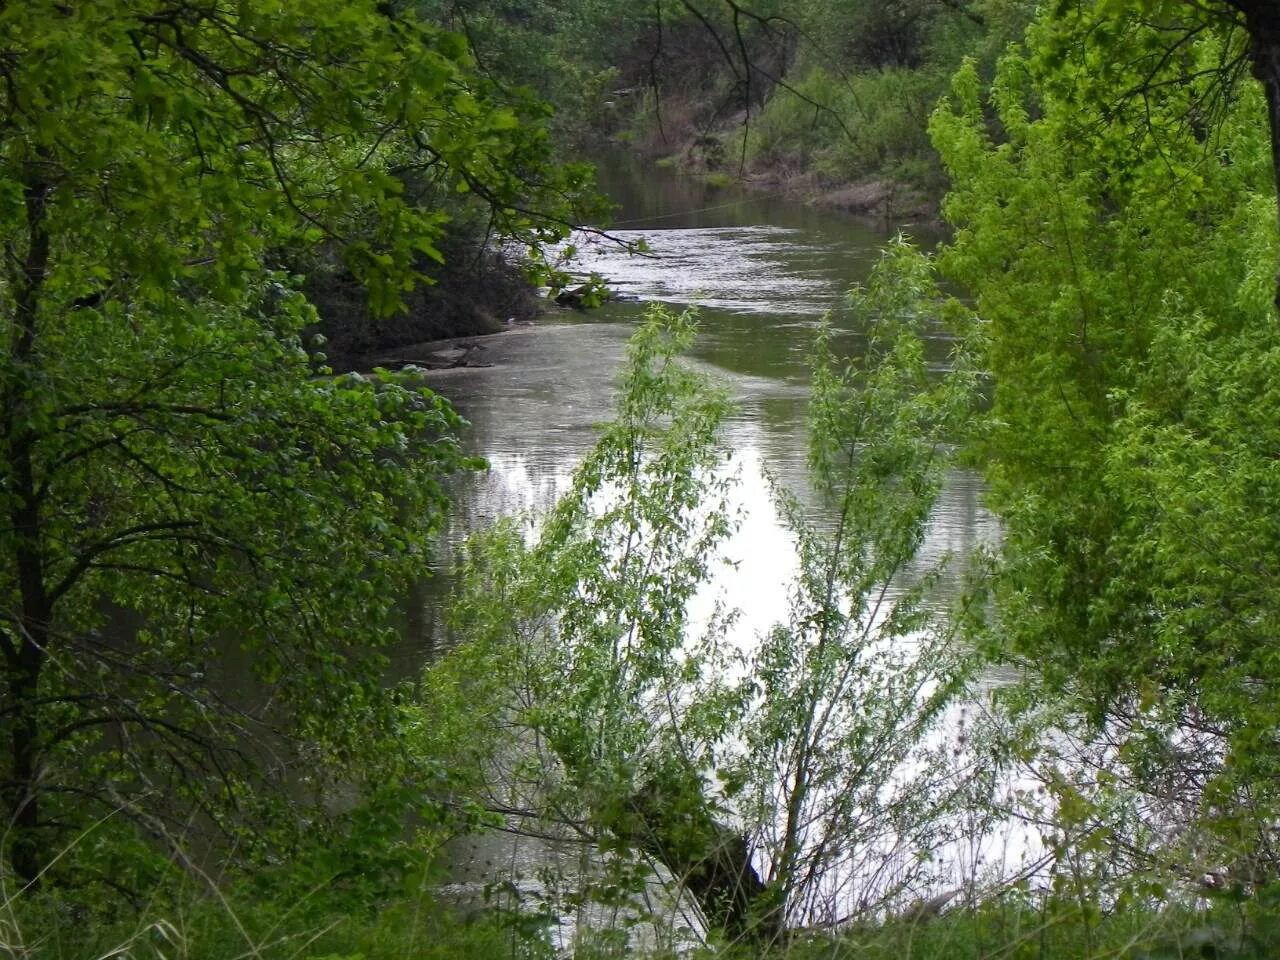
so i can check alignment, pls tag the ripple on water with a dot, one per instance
(755, 269)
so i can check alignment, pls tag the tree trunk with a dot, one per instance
(1262, 21)
(24, 673)
(23, 803)
(26, 653)
(710, 859)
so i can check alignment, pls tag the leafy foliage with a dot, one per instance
(846, 694)
(810, 757)
(190, 503)
(567, 52)
(1120, 242)
(588, 622)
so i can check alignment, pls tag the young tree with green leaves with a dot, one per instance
(1120, 241)
(757, 781)
(605, 711)
(835, 773)
(167, 448)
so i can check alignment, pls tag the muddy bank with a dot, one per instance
(683, 142)
(439, 357)
(876, 199)
(476, 291)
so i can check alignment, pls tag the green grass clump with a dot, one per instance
(381, 909)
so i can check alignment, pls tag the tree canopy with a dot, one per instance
(1119, 235)
(179, 479)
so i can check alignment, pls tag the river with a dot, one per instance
(762, 271)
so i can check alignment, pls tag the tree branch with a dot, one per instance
(166, 530)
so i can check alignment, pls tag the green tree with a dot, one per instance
(759, 780)
(837, 781)
(166, 446)
(579, 645)
(1120, 242)
(1149, 45)
(567, 53)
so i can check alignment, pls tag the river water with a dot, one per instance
(762, 272)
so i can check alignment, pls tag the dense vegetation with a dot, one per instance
(205, 529)
(826, 100)
(177, 465)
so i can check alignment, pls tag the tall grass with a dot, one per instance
(236, 920)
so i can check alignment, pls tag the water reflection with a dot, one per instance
(762, 274)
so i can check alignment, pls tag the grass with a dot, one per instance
(718, 178)
(232, 926)
(236, 923)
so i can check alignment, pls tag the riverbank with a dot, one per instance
(477, 290)
(873, 199)
(439, 357)
(858, 146)
(876, 201)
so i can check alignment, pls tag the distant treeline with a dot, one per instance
(830, 100)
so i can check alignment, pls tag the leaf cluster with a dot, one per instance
(1115, 224)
